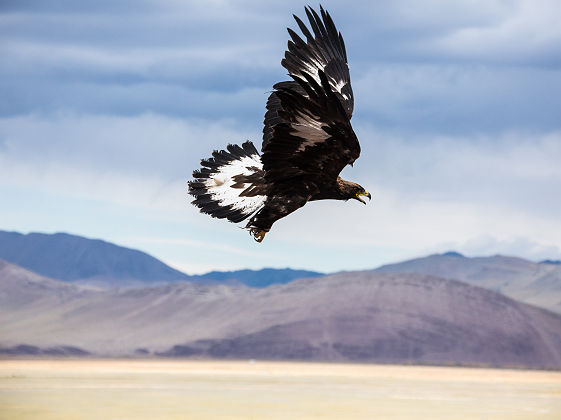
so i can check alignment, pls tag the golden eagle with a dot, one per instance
(307, 139)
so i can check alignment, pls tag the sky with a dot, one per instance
(106, 108)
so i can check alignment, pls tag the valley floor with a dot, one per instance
(171, 389)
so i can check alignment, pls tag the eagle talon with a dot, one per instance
(257, 234)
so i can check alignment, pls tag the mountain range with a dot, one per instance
(105, 265)
(535, 283)
(74, 258)
(356, 316)
(95, 262)
(443, 308)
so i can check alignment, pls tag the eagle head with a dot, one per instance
(353, 190)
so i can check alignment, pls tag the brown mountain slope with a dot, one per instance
(361, 316)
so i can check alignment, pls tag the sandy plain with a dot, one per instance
(171, 389)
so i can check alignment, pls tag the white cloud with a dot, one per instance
(528, 30)
(458, 97)
(427, 192)
(488, 245)
(150, 145)
(456, 108)
(170, 62)
(516, 170)
(433, 194)
(138, 163)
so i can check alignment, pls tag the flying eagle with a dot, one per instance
(307, 139)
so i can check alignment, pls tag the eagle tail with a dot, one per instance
(230, 184)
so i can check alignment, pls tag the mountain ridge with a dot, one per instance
(102, 264)
(346, 317)
(71, 258)
(536, 283)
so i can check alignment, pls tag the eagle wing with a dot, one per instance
(307, 126)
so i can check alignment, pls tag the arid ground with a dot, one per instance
(162, 389)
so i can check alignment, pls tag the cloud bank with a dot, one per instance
(108, 107)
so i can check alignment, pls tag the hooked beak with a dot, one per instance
(364, 194)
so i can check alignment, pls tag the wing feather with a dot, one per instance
(307, 126)
(315, 137)
(323, 50)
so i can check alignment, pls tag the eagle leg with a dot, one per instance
(257, 234)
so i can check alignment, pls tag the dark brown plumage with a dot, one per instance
(307, 139)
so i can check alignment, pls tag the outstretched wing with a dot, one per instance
(307, 128)
(325, 50)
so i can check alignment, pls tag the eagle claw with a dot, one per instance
(257, 234)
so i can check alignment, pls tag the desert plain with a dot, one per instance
(187, 389)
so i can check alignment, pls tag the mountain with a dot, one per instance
(255, 278)
(27, 298)
(554, 262)
(74, 258)
(105, 265)
(356, 316)
(527, 281)
(94, 262)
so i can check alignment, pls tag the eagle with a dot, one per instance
(307, 139)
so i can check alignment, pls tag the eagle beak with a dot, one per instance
(364, 194)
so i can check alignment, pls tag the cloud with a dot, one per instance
(489, 245)
(102, 176)
(529, 31)
(515, 170)
(427, 194)
(174, 59)
(108, 107)
(457, 98)
(149, 145)
(436, 31)
(439, 193)
(412, 63)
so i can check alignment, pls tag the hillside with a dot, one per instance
(535, 283)
(357, 316)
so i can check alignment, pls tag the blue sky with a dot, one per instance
(108, 106)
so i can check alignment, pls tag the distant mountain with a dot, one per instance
(554, 262)
(357, 316)
(98, 263)
(527, 281)
(94, 262)
(255, 278)
(74, 258)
